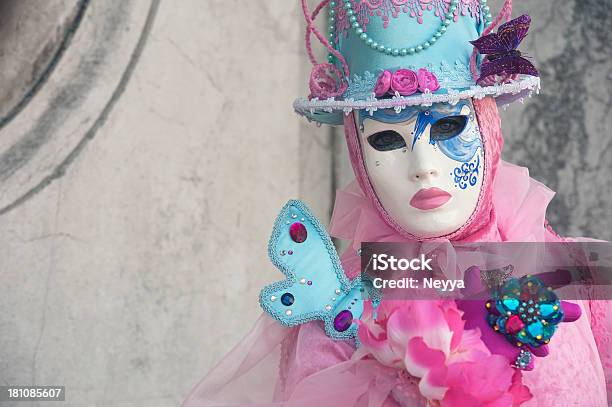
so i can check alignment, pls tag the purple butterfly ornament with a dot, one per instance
(502, 57)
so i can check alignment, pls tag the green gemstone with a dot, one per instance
(411, 50)
(403, 52)
(419, 48)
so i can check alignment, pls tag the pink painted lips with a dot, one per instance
(429, 198)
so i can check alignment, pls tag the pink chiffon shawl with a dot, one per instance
(300, 366)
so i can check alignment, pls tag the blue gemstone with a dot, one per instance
(511, 304)
(535, 329)
(287, 299)
(546, 309)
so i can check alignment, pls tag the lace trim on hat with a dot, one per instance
(371, 104)
(387, 9)
(455, 75)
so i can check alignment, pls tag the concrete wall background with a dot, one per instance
(135, 207)
(138, 266)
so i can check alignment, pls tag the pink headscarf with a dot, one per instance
(511, 206)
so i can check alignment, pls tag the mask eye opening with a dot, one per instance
(386, 140)
(448, 127)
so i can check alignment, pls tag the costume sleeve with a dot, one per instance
(308, 350)
(601, 324)
(600, 320)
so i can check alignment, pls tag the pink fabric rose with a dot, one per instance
(325, 82)
(383, 84)
(404, 82)
(429, 340)
(427, 81)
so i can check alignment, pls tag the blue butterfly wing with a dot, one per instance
(315, 287)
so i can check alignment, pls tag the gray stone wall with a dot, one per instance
(139, 181)
(563, 135)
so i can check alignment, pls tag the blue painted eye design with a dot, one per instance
(387, 140)
(447, 128)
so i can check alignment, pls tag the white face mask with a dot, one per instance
(425, 165)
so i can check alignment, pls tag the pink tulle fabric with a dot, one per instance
(302, 367)
(573, 373)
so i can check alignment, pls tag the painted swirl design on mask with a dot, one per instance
(466, 175)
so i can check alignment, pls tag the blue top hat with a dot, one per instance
(396, 53)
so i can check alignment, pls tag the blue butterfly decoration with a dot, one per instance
(316, 287)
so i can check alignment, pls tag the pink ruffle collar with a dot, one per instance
(518, 214)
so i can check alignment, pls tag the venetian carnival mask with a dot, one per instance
(425, 164)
